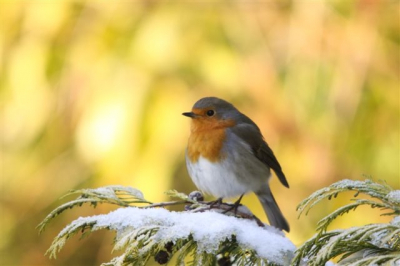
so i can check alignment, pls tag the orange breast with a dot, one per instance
(207, 138)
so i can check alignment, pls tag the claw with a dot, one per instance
(235, 205)
(216, 203)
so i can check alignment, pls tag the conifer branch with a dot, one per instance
(145, 232)
(363, 245)
(117, 195)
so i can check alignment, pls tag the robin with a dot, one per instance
(227, 156)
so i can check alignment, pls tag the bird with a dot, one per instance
(227, 156)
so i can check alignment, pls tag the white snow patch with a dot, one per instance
(395, 221)
(104, 191)
(394, 196)
(208, 229)
(349, 183)
(330, 263)
(110, 191)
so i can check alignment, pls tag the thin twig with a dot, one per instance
(228, 207)
(222, 207)
(164, 204)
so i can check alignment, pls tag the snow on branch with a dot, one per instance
(207, 234)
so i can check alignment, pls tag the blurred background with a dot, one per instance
(92, 94)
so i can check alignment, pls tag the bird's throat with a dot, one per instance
(207, 140)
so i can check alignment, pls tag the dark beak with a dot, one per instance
(189, 114)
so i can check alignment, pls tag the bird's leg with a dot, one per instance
(216, 202)
(235, 205)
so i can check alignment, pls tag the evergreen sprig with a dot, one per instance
(363, 245)
(141, 243)
(117, 195)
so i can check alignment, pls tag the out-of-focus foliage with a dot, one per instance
(91, 94)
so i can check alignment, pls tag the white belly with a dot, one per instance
(228, 178)
(240, 172)
(216, 179)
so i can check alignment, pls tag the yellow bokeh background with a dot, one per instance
(92, 94)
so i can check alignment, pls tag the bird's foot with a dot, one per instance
(216, 203)
(234, 206)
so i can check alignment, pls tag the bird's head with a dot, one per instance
(211, 113)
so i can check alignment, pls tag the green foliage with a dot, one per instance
(139, 243)
(372, 244)
(117, 195)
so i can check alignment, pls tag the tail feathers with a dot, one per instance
(272, 210)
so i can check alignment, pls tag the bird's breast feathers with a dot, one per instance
(227, 171)
(207, 140)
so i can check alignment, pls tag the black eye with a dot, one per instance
(210, 112)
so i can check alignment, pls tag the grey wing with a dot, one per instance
(251, 134)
